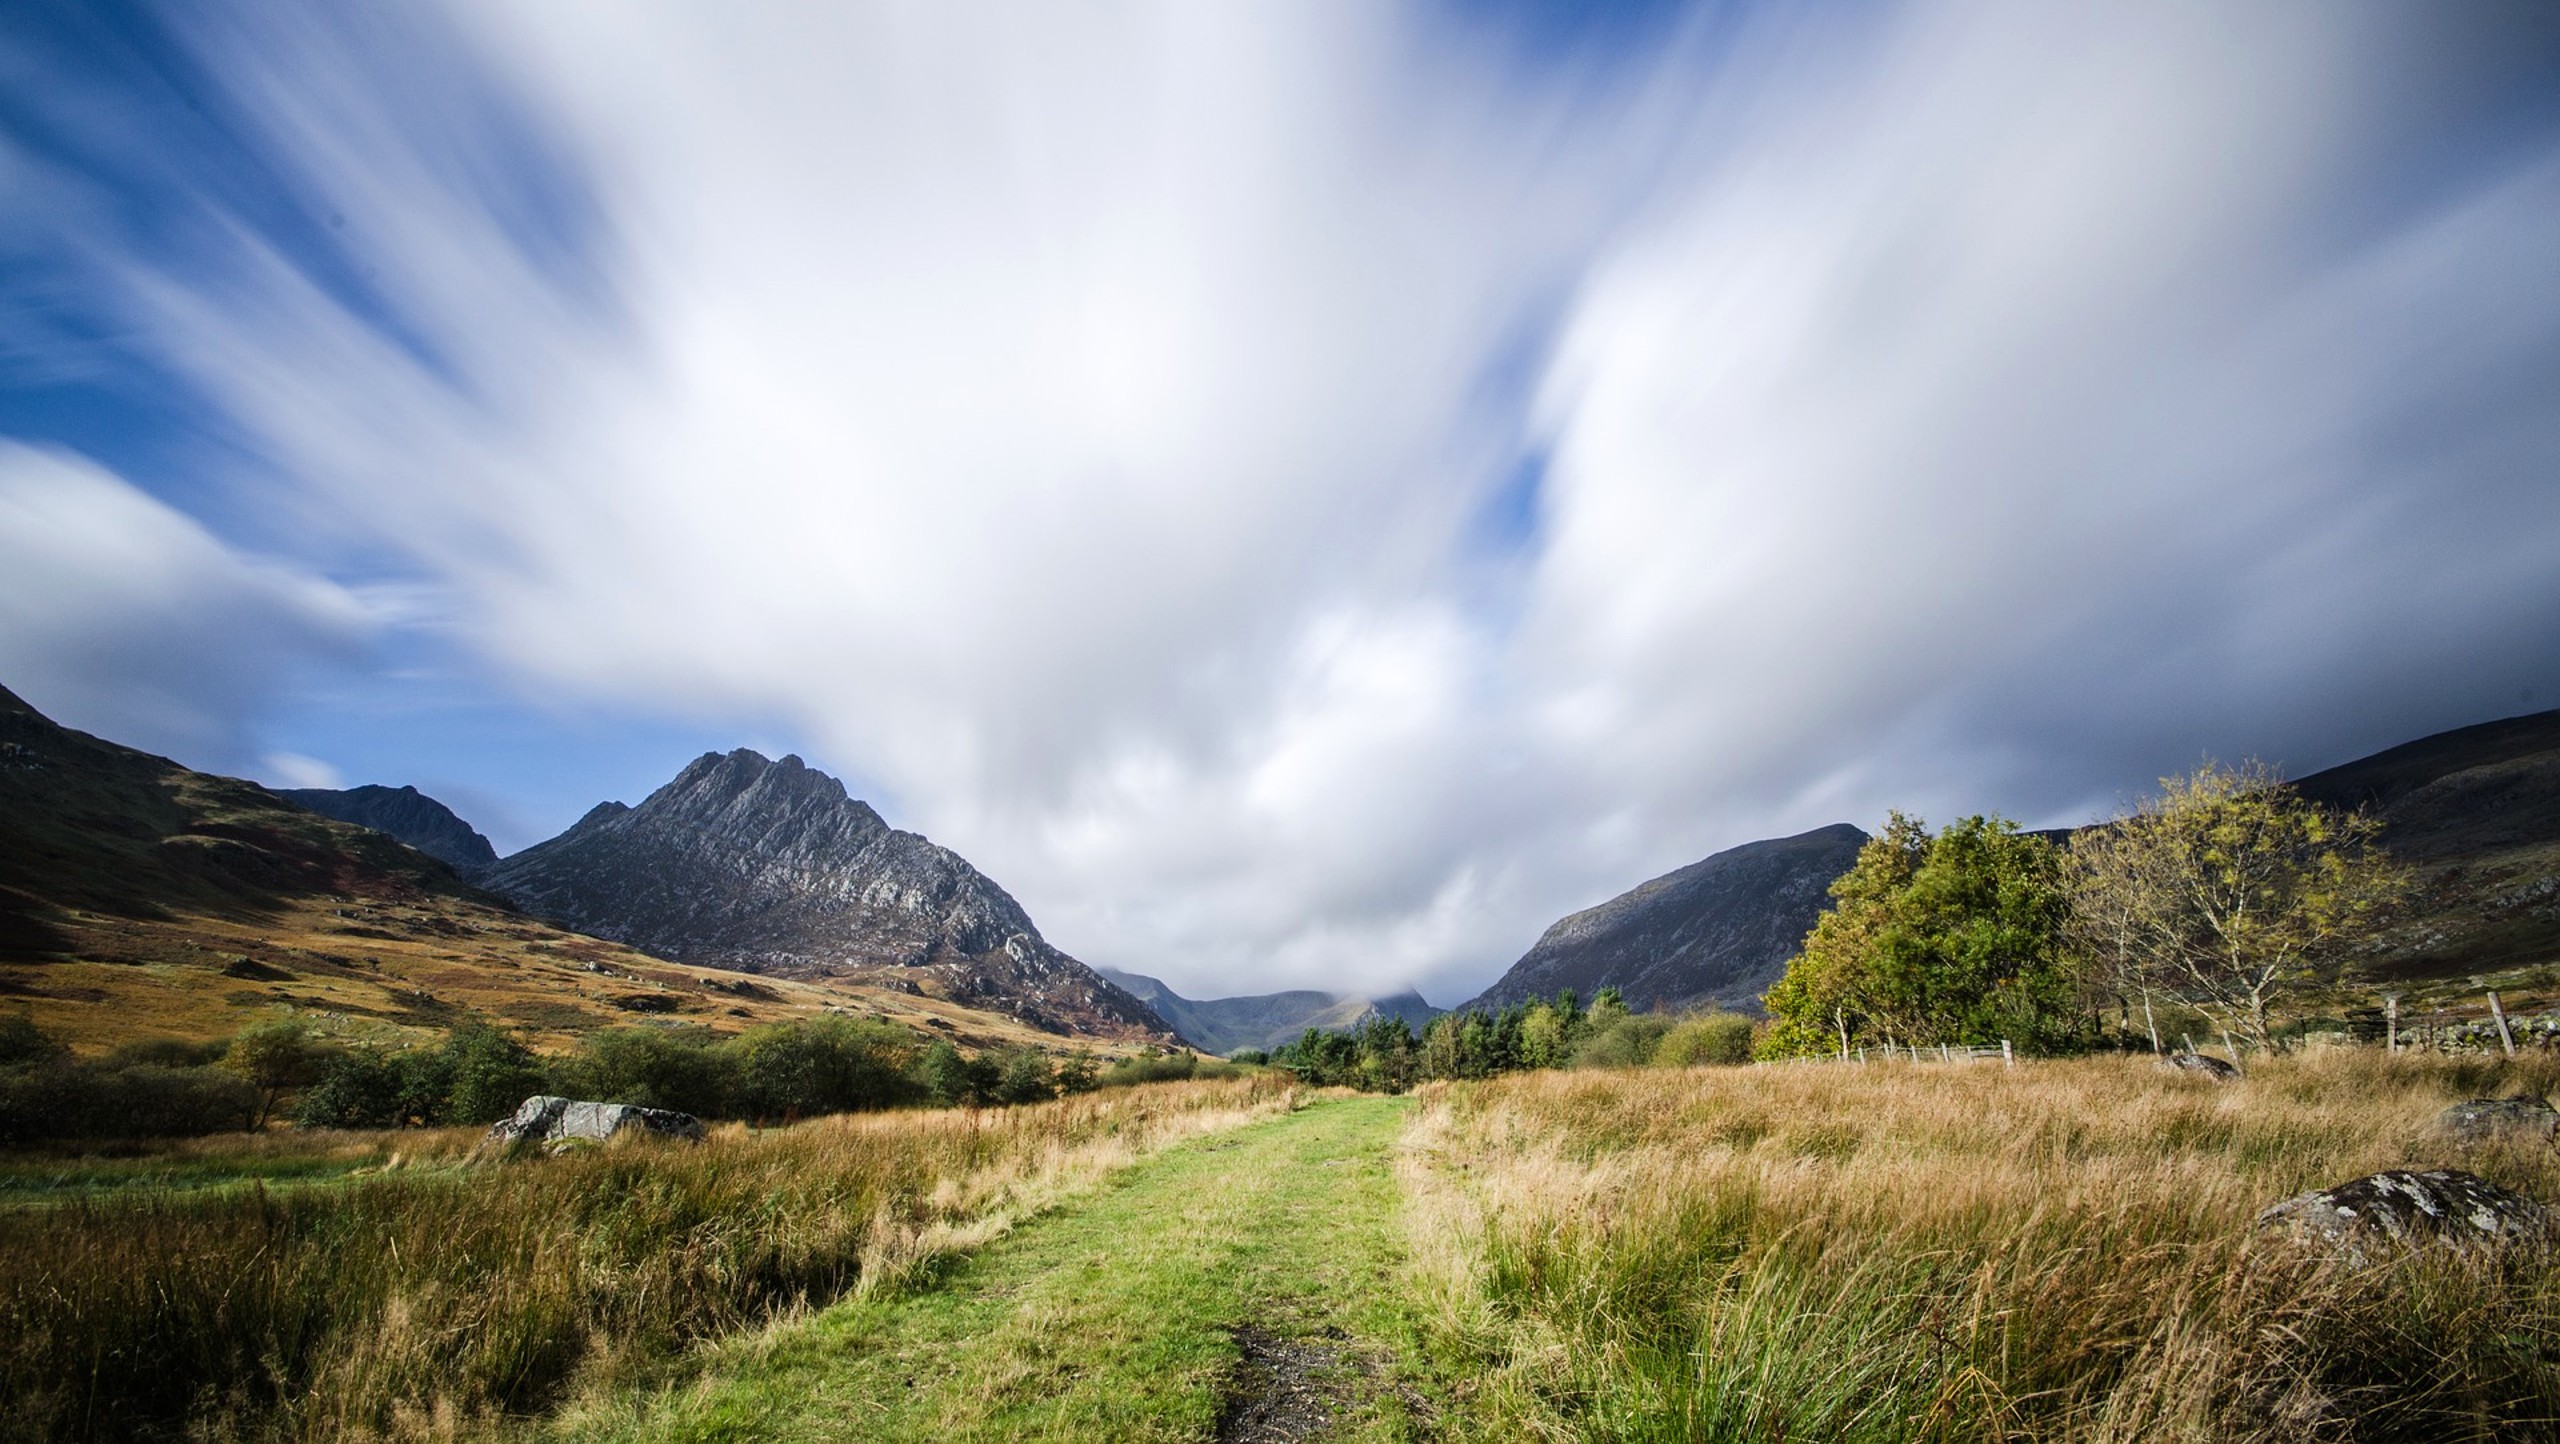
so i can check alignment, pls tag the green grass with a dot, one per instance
(1112, 1318)
(298, 1158)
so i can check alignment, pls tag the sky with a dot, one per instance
(1301, 494)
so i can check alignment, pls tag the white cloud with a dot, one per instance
(124, 617)
(1081, 423)
(292, 769)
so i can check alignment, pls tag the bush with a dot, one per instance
(64, 1098)
(652, 1067)
(823, 1065)
(1705, 1038)
(359, 1088)
(1628, 1042)
(490, 1075)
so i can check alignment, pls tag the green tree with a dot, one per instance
(956, 1081)
(1025, 1077)
(274, 1058)
(2232, 893)
(1959, 937)
(488, 1074)
(677, 1068)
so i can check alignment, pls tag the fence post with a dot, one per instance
(2391, 1022)
(2007, 1059)
(2506, 1039)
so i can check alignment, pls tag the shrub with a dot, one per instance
(1705, 1038)
(823, 1065)
(64, 1098)
(676, 1068)
(1626, 1043)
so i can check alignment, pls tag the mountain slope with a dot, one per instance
(768, 867)
(1717, 931)
(2475, 814)
(1266, 1020)
(141, 899)
(404, 813)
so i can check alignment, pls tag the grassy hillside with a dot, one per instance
(140, 899)
(2476, 814)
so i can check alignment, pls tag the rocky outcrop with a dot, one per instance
(545, 1118)
(2408, 1207)
(769, 867)
(2480, 1119)
(1717, 931)
(2202, 1065)
(405, 813)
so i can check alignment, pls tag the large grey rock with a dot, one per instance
(2408, 1207)
(2480, 1119)
(2201, 1064)
(545, 1118)
(769, 867)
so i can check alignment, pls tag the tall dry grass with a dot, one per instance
(440, 1301)
(1894, 1252)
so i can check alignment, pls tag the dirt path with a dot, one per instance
(1245, 1287)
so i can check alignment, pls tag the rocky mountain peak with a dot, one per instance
(769, 866)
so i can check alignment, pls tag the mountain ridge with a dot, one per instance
(1267, 1020)
(405, 813)
(140, 898)
(764, 866)
(1716, 931)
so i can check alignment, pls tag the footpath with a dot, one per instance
(1247, 1287)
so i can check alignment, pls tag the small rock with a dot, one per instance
(2481, 1119)
(2210, 1067)
(2408, 1207)
(545, 1118)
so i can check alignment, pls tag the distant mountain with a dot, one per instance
(1717, 931)
(1267, 1020)
(405, 813)
(768, 867)
(2475, 814)
(140, 899)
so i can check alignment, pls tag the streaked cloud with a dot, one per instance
(1305, 493)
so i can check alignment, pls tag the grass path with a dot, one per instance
(1115, 1317)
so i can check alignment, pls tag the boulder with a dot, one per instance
(547, 1119)
(2210, 1067)
(2409, 1207)
(2481, 1119)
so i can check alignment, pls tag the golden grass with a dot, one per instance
(2063, 1250)
(440, 1301)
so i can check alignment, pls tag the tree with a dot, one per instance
(274, 1058)
(2231, 892)
(955, 1081)
(489, 1074)
(1957, 937)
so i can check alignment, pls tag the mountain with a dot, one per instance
(1717, 931)
(405, 813)
(140, 899)
(1267, 1020)
(768, 867)
(2475, 815)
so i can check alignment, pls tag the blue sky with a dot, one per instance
(1301, 494)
